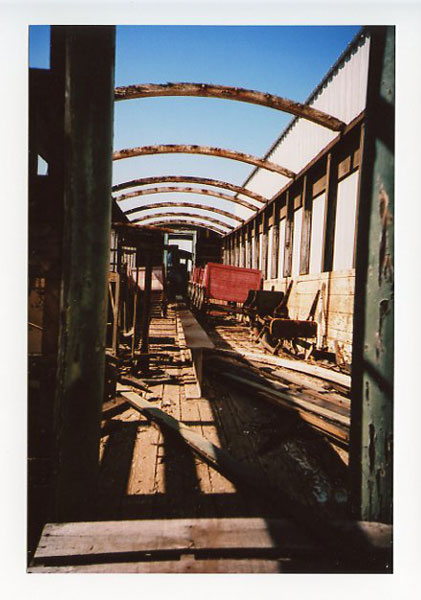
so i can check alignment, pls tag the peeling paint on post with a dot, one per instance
(371, 459)
(88, 64)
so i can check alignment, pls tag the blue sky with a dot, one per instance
(284, 60)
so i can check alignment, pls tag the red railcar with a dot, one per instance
(223, 285)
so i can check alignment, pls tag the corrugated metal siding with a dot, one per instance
(317, 233)
(343, 96)
(346, 213)
(296, 242)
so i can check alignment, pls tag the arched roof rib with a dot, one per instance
(192, 222)
(189, 179)
(206, 150)
(213, 209)
(187, 190)
(174, 215)
(230, 93)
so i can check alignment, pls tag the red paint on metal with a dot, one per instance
(228, 283)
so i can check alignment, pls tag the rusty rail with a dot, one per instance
(207, 150)
(188, 179)
(211, 220)
(184, 221)
(186, 190)
(224, 92)
(213, 209)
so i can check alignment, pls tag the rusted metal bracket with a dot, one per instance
(188, 179)
(207, 150)
(187, 190)
(225, 92)
(213, 209)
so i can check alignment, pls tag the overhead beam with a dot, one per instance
(186, 190)
(216, 222)
(188, 179)
(184, 221)
(225, 92)
(207, 150)
(213, 209)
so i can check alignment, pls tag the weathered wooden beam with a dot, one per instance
(146, 305)
(289, 232)
(182, 221)
(230, 93)
(212, 209)
(371, 457)
(187, 190)
(306, 227)
(330, 216)
(188, 179)
(294, 365)
(88, 56)
(206, 150)
(204, 218)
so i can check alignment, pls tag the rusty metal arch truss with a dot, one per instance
(188, 179)
(187, 190)
(220, 224)
(212, 209)
(206, 150)
(183, 221)
(224, 92)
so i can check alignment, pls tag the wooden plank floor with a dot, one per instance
(148, 473)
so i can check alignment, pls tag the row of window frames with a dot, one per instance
(344, 236)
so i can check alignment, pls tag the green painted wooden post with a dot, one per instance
(372, 373)
(88, 63)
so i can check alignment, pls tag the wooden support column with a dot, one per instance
(257, 240)
(146, 308)
(371, 453)
(243, 248)
(236, 249)
(275, 242)
(248, 247)
(232, 250)
(289, 227)
(306, 227)
(88, 62)
(330, 219)
(135, 302)
(264, 245)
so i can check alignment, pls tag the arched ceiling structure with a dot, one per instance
(160, 205)
(189, 179)
(220, 224)
(210, 91)
(186, 190)
(194, 222)
(224, 92)
(206, 150)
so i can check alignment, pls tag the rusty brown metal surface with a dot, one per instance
(207, 150)
(219, 211)
(186, 190)
(183, 221)
(290, 328)
(225, 92)
(188, 179)
(204, 218)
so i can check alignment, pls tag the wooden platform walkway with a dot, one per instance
(148, 474)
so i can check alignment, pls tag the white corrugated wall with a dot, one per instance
(343, 96)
